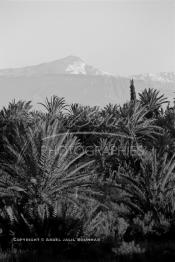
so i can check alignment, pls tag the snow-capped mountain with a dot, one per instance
(78, 82)
(68, 65)
(160, 77)
(76, 66)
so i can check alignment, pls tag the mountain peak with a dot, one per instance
(68, 65)
(72, 58)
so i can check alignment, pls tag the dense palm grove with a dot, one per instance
(73, 171)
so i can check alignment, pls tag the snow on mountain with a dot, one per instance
(72, 78)
(73, 65)
(68, 65)
(76, 68)
(159, 77)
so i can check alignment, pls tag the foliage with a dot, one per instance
(152, 100)
(80, 171)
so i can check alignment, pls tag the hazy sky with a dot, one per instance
(121, 37)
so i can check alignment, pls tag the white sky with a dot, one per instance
(120, 37)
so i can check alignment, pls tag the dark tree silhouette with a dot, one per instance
(132, 91)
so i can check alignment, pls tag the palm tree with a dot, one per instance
(152, 100)
(137, 128)
(43, 171)
(152, 190)
(111, 109)
(55, 105)
(16, 112)
(55, 109)
(84, 122)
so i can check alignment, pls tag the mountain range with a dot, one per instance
(72, 78)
